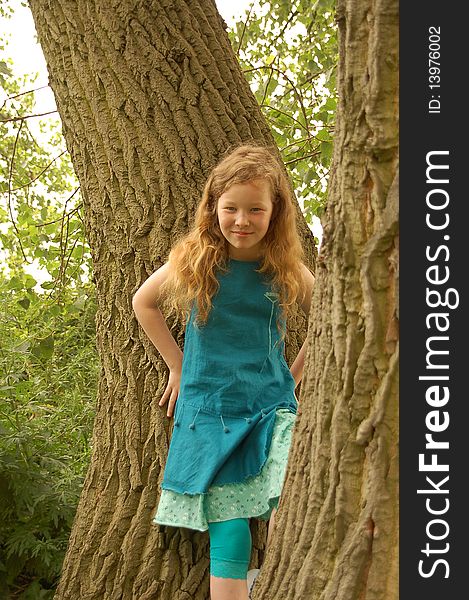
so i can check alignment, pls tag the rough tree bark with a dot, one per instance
(150, 94)
(339, 510)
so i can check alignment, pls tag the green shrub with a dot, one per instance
(47, 388)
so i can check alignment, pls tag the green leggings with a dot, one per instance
(230, 548)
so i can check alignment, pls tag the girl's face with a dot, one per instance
(244, 211)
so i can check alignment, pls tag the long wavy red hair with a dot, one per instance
(197, 257)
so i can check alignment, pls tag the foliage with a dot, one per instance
(47, 389)
(39, 192)
(288, 52)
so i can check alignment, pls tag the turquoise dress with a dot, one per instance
(235, 410)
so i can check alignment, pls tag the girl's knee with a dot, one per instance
(230, 548)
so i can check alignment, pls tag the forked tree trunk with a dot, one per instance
(336, 535)
(150, 95)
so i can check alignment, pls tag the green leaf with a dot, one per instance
(322, 116)
(323, 135)
(77, 252)
(15, 283)
(44, 348)
(29, 281)
(54, 310)
(50, 229)
(310, 176)
(25, 303)
(326, 152)
(330, 104)
(38, 251)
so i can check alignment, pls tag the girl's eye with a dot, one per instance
(232, 208)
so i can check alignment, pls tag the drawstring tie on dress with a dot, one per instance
(225, 428)
(192, 425)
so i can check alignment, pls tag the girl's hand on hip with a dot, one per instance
(171, 392)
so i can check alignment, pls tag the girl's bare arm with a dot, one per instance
(298, 364)
(150, 317)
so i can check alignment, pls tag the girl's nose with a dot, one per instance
(242, 219)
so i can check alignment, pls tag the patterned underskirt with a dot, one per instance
(254, 497)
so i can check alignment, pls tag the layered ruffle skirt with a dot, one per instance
(256, 496)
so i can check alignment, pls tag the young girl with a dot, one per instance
(234, 278)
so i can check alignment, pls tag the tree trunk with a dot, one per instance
(337, 526)
(150, 95)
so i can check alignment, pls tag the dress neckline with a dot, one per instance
(247, 262)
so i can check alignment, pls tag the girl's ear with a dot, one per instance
(211, 206)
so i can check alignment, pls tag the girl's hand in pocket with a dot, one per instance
(171, 392)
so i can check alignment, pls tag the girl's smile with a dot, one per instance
(244, 211)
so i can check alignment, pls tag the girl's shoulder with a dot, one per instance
(149, 291)
(307, 275)
(307, 288)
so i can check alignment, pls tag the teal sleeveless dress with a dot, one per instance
(235, 410)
